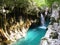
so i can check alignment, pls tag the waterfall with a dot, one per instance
(42, 22)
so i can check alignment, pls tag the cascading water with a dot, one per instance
(42, 22)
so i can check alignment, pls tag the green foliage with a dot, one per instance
(50, 2)
(27, 6)
(23, 2)
(40, 2)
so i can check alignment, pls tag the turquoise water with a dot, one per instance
(33, 36)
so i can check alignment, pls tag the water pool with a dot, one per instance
(33, 37)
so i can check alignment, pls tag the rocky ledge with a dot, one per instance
(52, 36)
(15, 32)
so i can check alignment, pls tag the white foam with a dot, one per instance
(42, 27)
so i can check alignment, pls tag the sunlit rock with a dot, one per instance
(55, 11)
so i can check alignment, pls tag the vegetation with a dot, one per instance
(50, 2)
(24, 7)
(17, 8)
